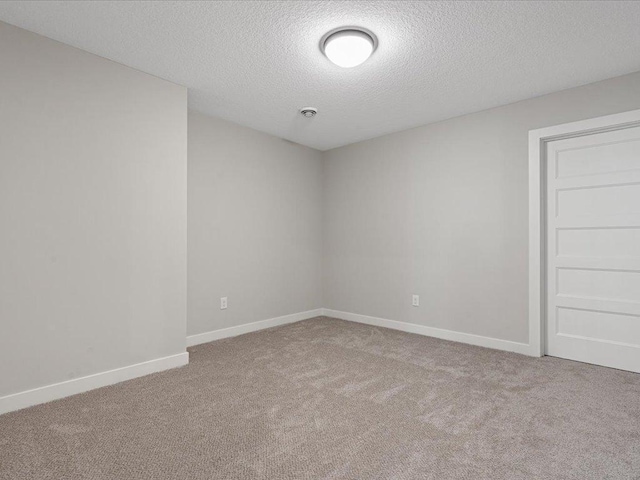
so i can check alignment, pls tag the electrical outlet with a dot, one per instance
(415, 301)
(223, 303)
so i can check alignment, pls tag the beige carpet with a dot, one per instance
(327, 399)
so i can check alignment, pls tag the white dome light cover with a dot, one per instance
(348, 46)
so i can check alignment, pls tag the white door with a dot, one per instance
(593, 248)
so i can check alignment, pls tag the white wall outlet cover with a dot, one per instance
(223, 303)
(415, 301)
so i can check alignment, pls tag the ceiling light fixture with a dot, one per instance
(348, 46)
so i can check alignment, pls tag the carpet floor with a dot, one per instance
(328, 399)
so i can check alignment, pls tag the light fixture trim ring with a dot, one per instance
(349, 28)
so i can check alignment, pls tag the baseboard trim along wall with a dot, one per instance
(471, 339)
(56, 391)
(251, 327)
(18, 401)
(468, 338)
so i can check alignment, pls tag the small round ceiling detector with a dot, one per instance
(308, 112)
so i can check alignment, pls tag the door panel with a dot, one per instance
(602, 284)
(599, 242)
(598, 201)
(593, 248)
(599, 326)
(598, 159)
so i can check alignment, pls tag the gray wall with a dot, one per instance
(93, 210)
(255, 233)
(442, 211)
(93, 192)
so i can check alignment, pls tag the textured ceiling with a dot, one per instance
(257, 63)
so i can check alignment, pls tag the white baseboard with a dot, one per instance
(250, 327)
(469, 338)
(48, 393)
(56, 391)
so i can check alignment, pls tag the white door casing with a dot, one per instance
(585, 241)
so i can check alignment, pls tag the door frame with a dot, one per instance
(538, 140)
